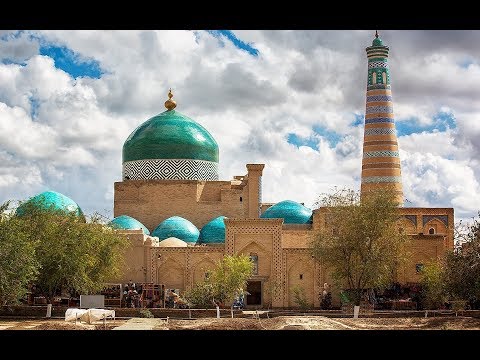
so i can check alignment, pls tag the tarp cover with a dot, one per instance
(89, 316)
(72, 314)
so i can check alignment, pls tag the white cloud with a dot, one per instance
(299, 80)
(17, 47)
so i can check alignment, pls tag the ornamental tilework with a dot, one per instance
(442, 218)
(378, 86)
(378, 98)
(377, 64)
(379, 120)
(381, 165)
(385, 153)
(412, 218)
(381, 179)
(170, 169)
(379, 109)
(380, 131)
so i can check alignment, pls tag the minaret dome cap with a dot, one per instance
(377, 41)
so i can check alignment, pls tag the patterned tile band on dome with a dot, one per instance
(386, 153)
(381, 179)
(380, 131)
(170, 169)
(377, 64)
(378, 98)
(379, 109)
(379, 120)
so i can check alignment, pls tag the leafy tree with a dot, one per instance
(361, 243)
(433, 285)
(456, 276)
(462, 266)
(18, 264)
(200, 295)
(73, 254)
(222, 284)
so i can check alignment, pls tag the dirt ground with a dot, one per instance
(277, 323)
(323, 323)
(54, 324)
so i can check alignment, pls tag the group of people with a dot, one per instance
(111, 292)
(132, 295)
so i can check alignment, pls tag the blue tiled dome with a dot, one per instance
(213, 232)
(50, 200)
(290, 211)
(128, 223)
(177, 227)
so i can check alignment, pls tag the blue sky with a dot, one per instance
(230, 36)
(69, 99)
(72, 63)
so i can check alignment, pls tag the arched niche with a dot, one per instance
(436, 225)
(171, 273)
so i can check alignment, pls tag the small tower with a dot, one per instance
(381, 161)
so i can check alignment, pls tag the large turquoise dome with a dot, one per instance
(213, 232)
(177, 227)
(170, 146)
(128, 223)
(290, 211)
(50, 200)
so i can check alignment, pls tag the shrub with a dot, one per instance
(145, 313)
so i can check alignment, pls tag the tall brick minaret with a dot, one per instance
(381, 161)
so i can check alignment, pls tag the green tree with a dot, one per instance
(361, 242)
(462, 265)
(74, 253)
(18, 264)
(433, 285)
(222, 284)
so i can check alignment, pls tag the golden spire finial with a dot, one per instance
(170, 104)
(376, 34)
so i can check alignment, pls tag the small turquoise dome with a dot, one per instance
(50, 200)
(177, 227)
(128, 223)
(290, 211)
(170, 135)
(377, 42)
(213, 231)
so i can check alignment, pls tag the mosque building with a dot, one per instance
(181, 219)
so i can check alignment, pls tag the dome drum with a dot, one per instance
(170, 169)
